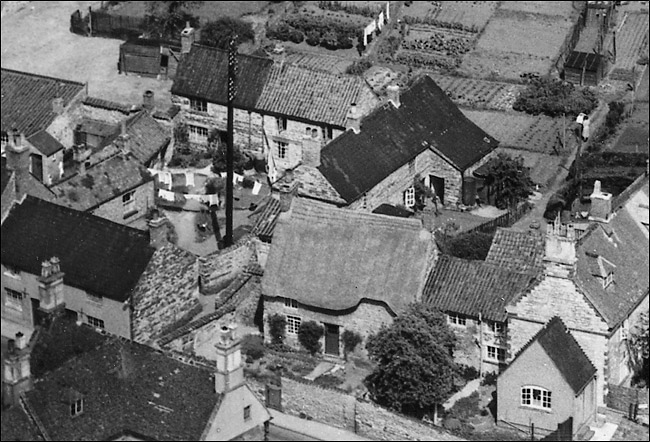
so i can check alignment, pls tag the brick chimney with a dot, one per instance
(188, 35)
(230, 369)
(311, 151)
(158, 230)
(601, 204)
(82, 155)
(50, 287)
(17, 376)
(289, 191)
(560, 251)
(353, 119)
(147, 100)
(392, 92)
(18, 161)
(57, 105)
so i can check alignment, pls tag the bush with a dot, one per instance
(473, 245)
(312, 38)
(490, 378)
(215, 186)
(359, 67)
(253, 347)
(309, 335)
(181, 133)
(218, 33)
(554, 98)
(241, 161)
(466, 407)
(350, 340)
(614, 116)
(277, 328)
(468, 372)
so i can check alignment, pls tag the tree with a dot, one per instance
(166, 20)
(510, 179)
(309, 335)
(554, 97)
(219, 32)
(640, 351)
(240, 160)
(415, 366)
(277, 328)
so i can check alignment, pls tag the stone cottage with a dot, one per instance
(344, 269)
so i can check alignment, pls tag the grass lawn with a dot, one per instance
(207, 11)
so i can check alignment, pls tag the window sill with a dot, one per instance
(534, 408)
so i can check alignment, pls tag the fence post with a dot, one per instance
(90, 21)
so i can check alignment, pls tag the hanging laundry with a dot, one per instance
(166, 195)
(189, 179)
(256, 188)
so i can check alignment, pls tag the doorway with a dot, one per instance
(438, 185)
(332, 339)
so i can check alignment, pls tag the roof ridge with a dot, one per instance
(202, 46)
(47, 77)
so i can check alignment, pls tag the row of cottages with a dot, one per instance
(110, 275)
(419, 131)
(344, 269)
(597, 283)
(31, 104)
(121, 390)
(284, 112)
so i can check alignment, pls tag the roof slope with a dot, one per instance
(517, 250)
(31, 185)
(146, 136)
(96, 255)
(333, 258)
(565, 352)
(314, 95)
(473, 287)
(161, 398)
(27, 100)
(45, 143)
(203, 73)
(391, 137)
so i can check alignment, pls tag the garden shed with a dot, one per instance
(585, 69)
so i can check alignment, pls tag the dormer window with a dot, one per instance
(77, 407)
(281, 123)
(198, 105)
(607, 280)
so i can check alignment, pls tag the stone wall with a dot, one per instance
(8, 195)
(618, 354)
(114, 209)
(468, 351)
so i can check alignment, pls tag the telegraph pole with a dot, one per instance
(232, 91)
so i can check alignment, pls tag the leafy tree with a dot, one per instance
(414, 356)
(240, 160)
(166, 20)
(350, 340)
(640, 343)
(554, 97)
(309, 335)
(277, 328)
(511, 180)
(219, 32)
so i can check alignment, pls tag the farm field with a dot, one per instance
(478, 94)
(543, 167)
(468, 14)
(561, 8)
(631, 42)
(329, 63)
(634, 137)
(207, 11)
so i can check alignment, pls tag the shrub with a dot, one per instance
(312, 38)
(215, 186)
(614, 116)
(359, 67)
(467, 372)
(490, 378)
(350, 340)
(218, 33)
(253, 347)
(554, 97)
(277, 328)
(181, 133)
(309, 335)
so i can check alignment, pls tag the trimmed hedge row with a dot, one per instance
(328, 33)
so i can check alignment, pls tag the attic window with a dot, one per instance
(76, 407)
(290, 303)
(199, 105)
(607, 280)
(282, 123)
(456, 319)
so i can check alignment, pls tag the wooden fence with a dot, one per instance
(505, 220)
(628, 400)
(103, 24)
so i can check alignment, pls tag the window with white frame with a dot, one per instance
(198, 134)
(198, 105)
(77, 407)
(128, 202)
(293, 324)
(456, 319)
(14, 299)
(496, 353)
(95, 322)
(409, 197)
(608, 279)
(290, 303)
(283, 149)
(281, 123)
(498, 328)
(536, 397)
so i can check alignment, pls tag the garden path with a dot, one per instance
(466, 391)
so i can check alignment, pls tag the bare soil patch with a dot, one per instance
(471, 14)
(478, 94)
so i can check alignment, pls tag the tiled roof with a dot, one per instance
(391, 137)
(101, 183)
(312, 184)
(159, 398)
(621, 246)
(105, 258)
(516, 250)
(45, 143)
(265, 218)
(333, 258)
(473, 287)
(27, 100)
(203, 73)
(16, 425)
(146, 136)
(109, 105)
(32, 186)
(314, 95)
(565, 352)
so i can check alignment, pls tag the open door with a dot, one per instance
(332, 339)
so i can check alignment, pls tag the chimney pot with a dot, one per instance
(158, 229)
(393, 95)
(601, 204)
(21, 341)
(353, 119)
(187, 38)
(46, 269)
(147, 100)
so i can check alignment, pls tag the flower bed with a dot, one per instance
(429, 40)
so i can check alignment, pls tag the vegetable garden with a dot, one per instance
(479, 94)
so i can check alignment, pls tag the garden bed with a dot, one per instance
(459, 15)
(478, 94)
(207, 11)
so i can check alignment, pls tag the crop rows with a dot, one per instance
(479, 94)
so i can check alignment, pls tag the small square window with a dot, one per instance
(14, 299)
(247, 412)
(409, 197)
(496, 353)
(328, 133)
(290, 303)
(282, 123)
(293, 324)
(497, 328)
(283, 149)
(198, 105)
(198, 134)
(77, 407)
(457, 319)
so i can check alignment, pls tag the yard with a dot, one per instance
(468, 14)
(207, 11)
(478, 94)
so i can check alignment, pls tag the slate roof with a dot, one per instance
(27, 100)
(106, 258)
(101, 183)
(472, 287)
(332, 258)
(110, 105)
(517, 250)
(565, 352)
(265, 219)
(391, 137)
(161, 398)
(312, 184)
(45, 143)
(146, 136)
(314, 95)
(621, 246)
(203, 73)
(17, 426)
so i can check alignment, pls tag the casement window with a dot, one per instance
(77, 407)
(293, 324)
(14, 299)
(536, 397)
(496, 353)
(328, 133)
(95, 322)
(283, 149)
(198, 105)
(409, 197)
(456, 319)
(247, 412)
(281, 123)
(198, 134)
(290, 303)
(128, 203)
(498, 328)
(607, 280)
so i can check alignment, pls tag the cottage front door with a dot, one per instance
(438, 186)
(332, 339)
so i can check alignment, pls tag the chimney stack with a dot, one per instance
(147, 101)
(17, 376)
(601, 204)
(311, 151)
(50, 286)
(560, 251)
(18, 161)
(21, 341)
(353, 119)
(158, 229)
(392, 92)
(57, 105)
(230, 370)
(188, 36)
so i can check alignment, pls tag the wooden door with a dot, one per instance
(332, 339)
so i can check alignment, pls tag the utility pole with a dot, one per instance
(232, 91)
